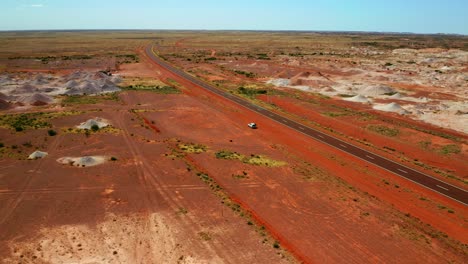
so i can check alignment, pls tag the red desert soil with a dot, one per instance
(144, 207)
(356, 172)
(151, 204)
(304, 214)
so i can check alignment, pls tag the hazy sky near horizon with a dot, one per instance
(418, 16)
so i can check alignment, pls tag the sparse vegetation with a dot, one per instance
(192, 148)
(128, 58)
(157, 89)
(424, 144)
(88, 99)
(247, 74)
(258, 160)
(336, 114)
(226, 154)
(182, 211)
(384, 130)
(21, 122)
(240, 176)
(27, 144)
(250, 92)
(276, 244)
(51, 132)
(205, 236)
(450, 149)
(263, 56)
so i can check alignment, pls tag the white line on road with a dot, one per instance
(285, 121)
(343, 146)
(301, 128)
(403, 171)
(370, 157)
(442, 187)
(320, 136)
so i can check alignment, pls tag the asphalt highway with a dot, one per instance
(427, 181)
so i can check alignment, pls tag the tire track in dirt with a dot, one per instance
(149, 178)
(8, 209)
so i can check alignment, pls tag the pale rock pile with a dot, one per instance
(358, 99)
(39, 89)
(391, 107)
(37, 155)
(99, 122)
(86, 161)
(279, 82)
(376, 90)
(35, 99)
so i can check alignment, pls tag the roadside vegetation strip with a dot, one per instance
(166, 89)
(257, 160)
(250, 92)
(384, 130)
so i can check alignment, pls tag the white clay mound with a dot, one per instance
(279, 82)
(86, 161)
(100, 122)
(36, 98)
(25, 89)
(391, 107)
(37, 155)
(358, 99)
(376, 90)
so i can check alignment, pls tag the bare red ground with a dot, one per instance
(304, 215)
(40, 197)
(324, 206)
(356, 172)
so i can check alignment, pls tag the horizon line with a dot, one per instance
(244, 30)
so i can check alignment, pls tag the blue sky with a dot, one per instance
(419, 16)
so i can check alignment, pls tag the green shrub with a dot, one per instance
(94, 127)
(276, 244)
(250, 92)
(450, 149)
(247, 74)
(52, 132)
(383, 130)
(226, 154)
